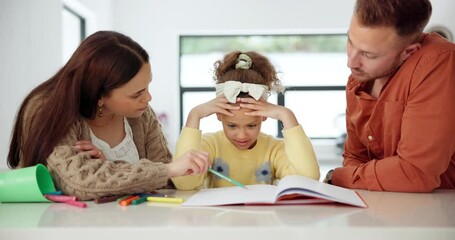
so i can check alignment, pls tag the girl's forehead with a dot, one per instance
(240, 117)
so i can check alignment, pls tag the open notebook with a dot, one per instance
(290, 190)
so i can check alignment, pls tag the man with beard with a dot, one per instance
(400, 115)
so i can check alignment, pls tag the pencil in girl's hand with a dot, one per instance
(226, 178)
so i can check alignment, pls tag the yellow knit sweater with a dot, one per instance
(270, 159)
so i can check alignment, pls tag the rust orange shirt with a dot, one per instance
(405, 139)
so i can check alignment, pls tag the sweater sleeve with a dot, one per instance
(85, 178)
(79, 175)
(190, 139)
(300, 154)
(156, 148)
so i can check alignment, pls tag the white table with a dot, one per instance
(389, 216)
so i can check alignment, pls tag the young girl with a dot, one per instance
(91, 124)
(241, 151)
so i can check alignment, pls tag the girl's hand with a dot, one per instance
(217, 105)
(191, 163)
(87, 146)
(265, 109)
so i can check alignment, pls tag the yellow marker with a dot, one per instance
(165, 199)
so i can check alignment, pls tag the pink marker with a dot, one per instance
(77, 204)
(71, 200)
(60, 198)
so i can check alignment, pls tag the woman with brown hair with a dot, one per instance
(91, 124)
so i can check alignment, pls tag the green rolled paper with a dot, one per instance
(26, 184)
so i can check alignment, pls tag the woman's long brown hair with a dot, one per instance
(104, 61)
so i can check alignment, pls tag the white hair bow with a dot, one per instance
(231, 90)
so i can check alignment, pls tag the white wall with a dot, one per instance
(30, 51)
(99, 12)
(156, 25)
(30, 47)
(443, 15)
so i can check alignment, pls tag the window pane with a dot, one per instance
(311, 69)
(197, 69)
(321, 113)
(302, 60)
(295, 69)
(211, 123)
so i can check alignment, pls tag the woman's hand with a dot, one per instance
(87, 146)
(265, 109)
(191, 163)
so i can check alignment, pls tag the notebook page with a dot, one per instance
(310, 187)
(232, 195)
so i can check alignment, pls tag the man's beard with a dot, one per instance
(386, 74)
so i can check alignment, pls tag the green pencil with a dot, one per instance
(226, 178)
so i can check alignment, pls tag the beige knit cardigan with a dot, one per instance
(86, 178)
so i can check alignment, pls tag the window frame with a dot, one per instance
(82, 21)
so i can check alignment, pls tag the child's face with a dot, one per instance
(241, 130)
